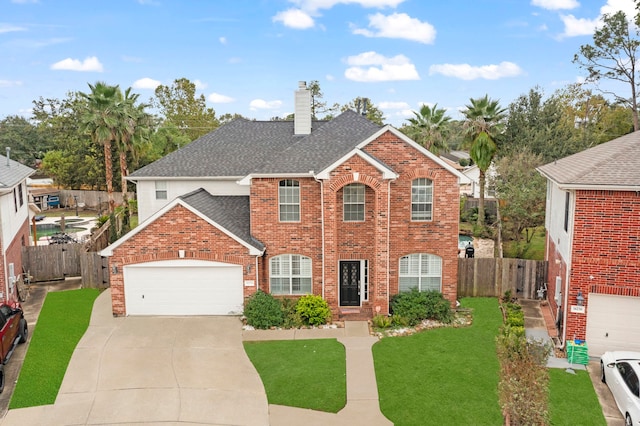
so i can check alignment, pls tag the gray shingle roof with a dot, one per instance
(614, 163)
(13, 173)
(230, 212)
(242, 147)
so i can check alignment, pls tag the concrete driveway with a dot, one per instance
(150, 370)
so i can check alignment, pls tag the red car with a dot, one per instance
(13, 330)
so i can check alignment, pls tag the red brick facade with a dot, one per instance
(386, 234)
(604, 251)
(178, 229)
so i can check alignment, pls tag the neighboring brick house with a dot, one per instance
(593, 238)
(14, 223)
(345, 209)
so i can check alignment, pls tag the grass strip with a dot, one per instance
(62, 322)
(572, 399)
(302, 373)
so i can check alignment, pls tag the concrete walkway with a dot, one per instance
(362, 406)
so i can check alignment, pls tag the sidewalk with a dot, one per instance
(363, 406)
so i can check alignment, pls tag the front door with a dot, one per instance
(350, 283)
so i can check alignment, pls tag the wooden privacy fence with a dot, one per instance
(492, 277)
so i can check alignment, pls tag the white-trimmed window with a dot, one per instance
(161, 190)
(421, 199)
(289, 200)
(422, 271)
(353, 202)
(290, 274)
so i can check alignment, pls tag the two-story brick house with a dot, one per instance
(593, 237)
(345, 209)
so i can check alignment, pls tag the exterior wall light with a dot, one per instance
(580, 298)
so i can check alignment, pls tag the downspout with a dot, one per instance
(568, 272)
(257, 273)
(388, 237)
(321, 226)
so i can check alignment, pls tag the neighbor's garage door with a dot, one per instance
(613, 323)
(183, 287)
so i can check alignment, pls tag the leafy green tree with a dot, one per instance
(71, 158)
(100, 119)
(365, 107)
(484, 122)
(225, 118)
(430, 128)
(543, 126)
(613, 56)
(317, 105)
(22, 137)
(179, 106)
(522, 192)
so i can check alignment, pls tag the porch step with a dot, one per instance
(355, 314)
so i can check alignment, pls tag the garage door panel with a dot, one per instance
(183, 289)
(613, 323)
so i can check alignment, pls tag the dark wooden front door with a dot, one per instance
(350, 283)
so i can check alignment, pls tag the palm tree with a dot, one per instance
(100, 118)
(484, 122)
(132, 130)
(430, 128)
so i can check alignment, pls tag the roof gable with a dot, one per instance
(229, 214)
(610, 166)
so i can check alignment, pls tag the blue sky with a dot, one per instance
(247, 56)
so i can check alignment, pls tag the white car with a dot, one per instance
(620, 370)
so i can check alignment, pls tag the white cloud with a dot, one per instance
(583, 26)
(578, 26)
(294, 18)
(380, 68)
(10, 83)
(222, 40)
(556, 4)
(262, 104)
(469, 72)
(146, 83)
(217, 98)
(89, 64)
(393, 105)
(10, 28)
(200, 85)
(398, 25)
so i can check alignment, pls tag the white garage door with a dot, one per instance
(183, 287)
(613, 323)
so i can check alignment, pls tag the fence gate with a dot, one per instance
(52, 262)
(492, 277)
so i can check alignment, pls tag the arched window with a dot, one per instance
(422, 271)
(289, 200)
(421, 199)
(290, 274)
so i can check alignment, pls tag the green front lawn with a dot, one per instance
(302, 373)
(450, 373)
(446, 376)
(62, 322)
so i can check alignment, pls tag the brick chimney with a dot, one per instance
(302, 113)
